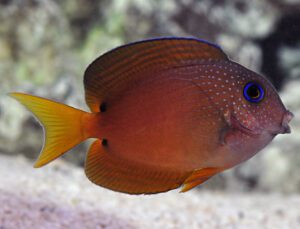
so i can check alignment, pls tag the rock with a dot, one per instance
(60, 196)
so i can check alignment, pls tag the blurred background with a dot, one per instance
(45, 46)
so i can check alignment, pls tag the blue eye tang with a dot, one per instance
(253, 92)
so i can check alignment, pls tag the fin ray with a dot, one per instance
(62, 125)
(199, 176)
(105, 169)
(122, 66)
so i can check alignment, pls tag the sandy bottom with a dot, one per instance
(60, 196)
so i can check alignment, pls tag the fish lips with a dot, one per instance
(285, 128)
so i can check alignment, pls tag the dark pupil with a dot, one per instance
(253, 92)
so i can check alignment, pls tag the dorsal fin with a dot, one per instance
(112, 72)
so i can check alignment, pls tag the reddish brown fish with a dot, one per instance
(166, 113)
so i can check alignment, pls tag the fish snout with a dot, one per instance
(287, 117)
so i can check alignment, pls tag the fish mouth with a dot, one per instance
(284, 127)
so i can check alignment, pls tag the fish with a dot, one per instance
(165, 113)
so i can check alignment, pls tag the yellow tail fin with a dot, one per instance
(62, 126)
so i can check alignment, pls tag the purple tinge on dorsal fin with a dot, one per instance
(169, 38)
(111, 73)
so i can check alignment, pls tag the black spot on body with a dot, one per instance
(103, 107)
(104, 142)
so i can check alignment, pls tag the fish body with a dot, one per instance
(166, 112)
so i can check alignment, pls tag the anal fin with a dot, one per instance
(106, 169)
(199, 176)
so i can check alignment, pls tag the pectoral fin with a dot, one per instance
(250, 127)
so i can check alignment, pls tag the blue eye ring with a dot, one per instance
(253, 92)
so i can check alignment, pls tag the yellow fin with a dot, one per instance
(62, 125)
(104, 168)
(198, 177)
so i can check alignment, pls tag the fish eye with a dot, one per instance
(253, 92)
